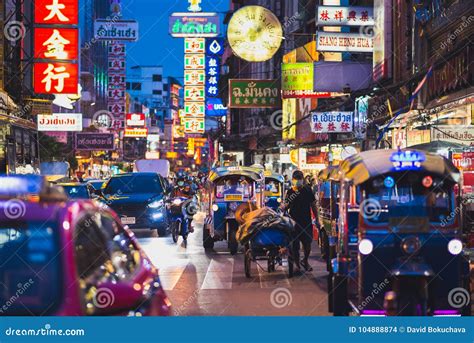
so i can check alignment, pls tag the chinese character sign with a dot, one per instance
(212, 76)
(55, 78)
(328, 122)
(244, 93)
(53, 12)
(350, 16)
(56, 46)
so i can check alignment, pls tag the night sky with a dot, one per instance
(155, 46)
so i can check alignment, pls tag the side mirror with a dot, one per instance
(112, 298)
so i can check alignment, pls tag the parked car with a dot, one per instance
(139, 200)
(75, 190)
(70, 258)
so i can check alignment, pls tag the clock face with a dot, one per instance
(254, 33)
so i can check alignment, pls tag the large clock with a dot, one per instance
(254, 33)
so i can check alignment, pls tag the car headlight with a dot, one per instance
(177, 202)
(156, 204)
(215, 208)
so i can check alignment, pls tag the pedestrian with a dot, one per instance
(300, 201)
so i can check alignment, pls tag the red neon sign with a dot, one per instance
(54, 12)
(56, 43)
(55, 78)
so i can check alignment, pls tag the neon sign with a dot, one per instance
(407, 159)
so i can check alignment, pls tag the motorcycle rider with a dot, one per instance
(183, 189)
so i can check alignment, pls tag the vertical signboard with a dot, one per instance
(56, 47)
(382, 39)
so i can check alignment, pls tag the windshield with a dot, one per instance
(272, 187)
(30, 276)
(133, 184)
(400, 199)
(77, 192)
(234, 188)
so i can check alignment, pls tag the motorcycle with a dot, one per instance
(181, 212)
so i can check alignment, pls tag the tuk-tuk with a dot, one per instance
(328, 212)
(230, 188)
(399, 249)
(274, 190)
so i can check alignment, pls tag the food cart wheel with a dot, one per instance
(271, 264)
(290, 266)
(207, 240)
(247, 262)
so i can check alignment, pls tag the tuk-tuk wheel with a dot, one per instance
(330, 291)
(271, 264)
(340, 303)
(207, 240)
(232, 244)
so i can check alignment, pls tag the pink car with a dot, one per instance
(66, 258)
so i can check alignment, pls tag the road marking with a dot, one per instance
(219, 274)
(170, 275)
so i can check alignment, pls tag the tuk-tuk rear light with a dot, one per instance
(455, 246)
(215, 208)
(427, 181)
(366, 246)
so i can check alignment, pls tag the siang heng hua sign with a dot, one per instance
(56, 47)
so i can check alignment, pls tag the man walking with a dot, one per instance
(300, 201)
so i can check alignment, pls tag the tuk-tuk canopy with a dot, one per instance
(368, 164)
(255, 174)
(273, 176)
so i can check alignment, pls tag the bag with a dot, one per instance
(263, 218)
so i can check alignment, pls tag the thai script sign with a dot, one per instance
(194, 25)
(327, 122)
(95, 141)
(245, 93)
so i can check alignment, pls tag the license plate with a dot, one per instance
(233, 197)
(128, 220)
